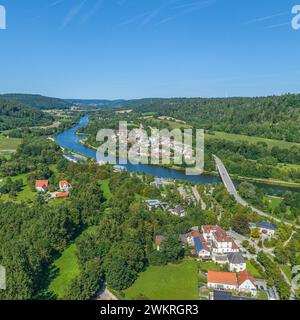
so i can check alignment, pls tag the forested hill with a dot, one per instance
(275, 117)
(16, 115)
(37, 101)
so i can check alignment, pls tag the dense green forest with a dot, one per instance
(274, 117)
(15, 115)
(37, 101)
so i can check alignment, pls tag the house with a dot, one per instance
(246, 283)
(178, 211)
(65, 186)
(201, 248)
(158, 241)
(153, 204)
(195, 239)
(266, 229)
(220, 258)
(41, 185)
(236, 262)
(221, 280)
(221, 243)
(242, 282)
(61, 195)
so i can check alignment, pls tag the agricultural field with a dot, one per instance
(239, 137)
(8, 144)
(171, 282)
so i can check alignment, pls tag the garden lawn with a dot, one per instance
(171, 282)
(205, 266)
(254, 272)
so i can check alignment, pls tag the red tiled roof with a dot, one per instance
(244, 276)
(193, 234)
(221, 277)
(41, 183)
(63, 183)
(62, 194)
(159, 239)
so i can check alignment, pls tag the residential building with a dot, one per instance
(246, 283)
(222, 280)
(266, 229)
(158, 240)
(241, 282)
(236, 262)
(41, 185)
(61, 195)
(65, 186)
(221, 243)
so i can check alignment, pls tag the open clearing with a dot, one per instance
(9, 144)
(171, 282)
(240, 137)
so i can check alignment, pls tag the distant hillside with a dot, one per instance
(16, 115)
(96, 102)
(37, 101)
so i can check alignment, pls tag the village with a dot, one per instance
(212, 243)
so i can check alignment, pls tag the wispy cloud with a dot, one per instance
(191, 7)
(92, 11)
(277, 25)
(72, 13)
(265, 18)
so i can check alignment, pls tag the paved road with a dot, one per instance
(232, 190)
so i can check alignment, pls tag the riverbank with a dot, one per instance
(270, 182)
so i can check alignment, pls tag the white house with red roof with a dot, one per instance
(242, 282)
(246, 283)
(221, 243)
(41, 185)
(64, 186)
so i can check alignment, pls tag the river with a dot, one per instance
(71, 141)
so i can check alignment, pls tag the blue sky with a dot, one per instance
(149, 48)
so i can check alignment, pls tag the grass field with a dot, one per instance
(254, 272)
(25, 195)
(9, 143)
(205, 266)
(239, 137)
(171, 282)
(68, 269)
(273, 202)
(105, 187)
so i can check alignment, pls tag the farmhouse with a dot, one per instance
(65, 186)
(41, 185)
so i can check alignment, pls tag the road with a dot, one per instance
(229, 185)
